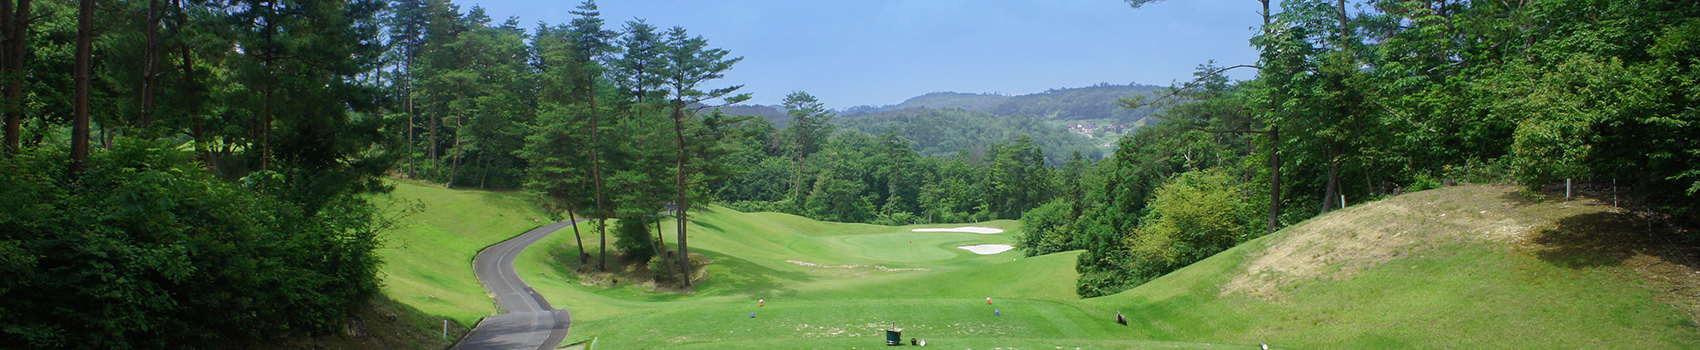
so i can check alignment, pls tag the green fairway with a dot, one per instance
(428, 262)
(1456, 281)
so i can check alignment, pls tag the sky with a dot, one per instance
(880, 52)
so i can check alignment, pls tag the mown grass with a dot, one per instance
(428, 261)
(1441, 293)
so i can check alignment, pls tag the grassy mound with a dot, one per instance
(1460, 267)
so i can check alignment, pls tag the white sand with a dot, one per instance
(968, 229)
(987, 249)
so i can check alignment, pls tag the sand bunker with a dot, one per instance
(987, 249)
(969, 229)
(876, 267)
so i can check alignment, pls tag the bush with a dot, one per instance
(145, 250)
(633, 240)
(1194, 216)
(1044, 230)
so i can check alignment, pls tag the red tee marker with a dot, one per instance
(988, 301)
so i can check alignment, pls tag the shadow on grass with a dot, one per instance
(1608, 239)
(742, 277)
(1591, 240)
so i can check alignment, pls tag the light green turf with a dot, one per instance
(428, 262)
(1461, 295)
(941, 299)
(1455, 294)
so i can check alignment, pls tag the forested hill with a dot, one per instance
(946, 132)
(775, 113)
(937, 100)
(1094, 103)
(946, 123)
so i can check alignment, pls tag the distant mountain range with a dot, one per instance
(1095, 103)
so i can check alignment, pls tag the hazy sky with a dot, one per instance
(879, 52)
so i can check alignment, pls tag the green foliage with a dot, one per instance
(632, 237)
(1192, 217)
(1044, 230)
(1097, 102)
(945, 133)
(145, 250)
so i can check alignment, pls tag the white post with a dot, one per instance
(1342, 201)
(1566, 189)
(445, 329)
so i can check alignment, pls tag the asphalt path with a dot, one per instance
(526, 320)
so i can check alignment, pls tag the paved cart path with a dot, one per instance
(526, 320)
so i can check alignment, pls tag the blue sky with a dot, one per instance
(880, 52)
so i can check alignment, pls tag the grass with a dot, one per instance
(428, 262)
(1391, 274)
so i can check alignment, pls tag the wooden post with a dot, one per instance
(1566, 189)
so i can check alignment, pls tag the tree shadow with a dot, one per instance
(1592, 240)
(751, 279)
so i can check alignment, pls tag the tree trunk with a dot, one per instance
(80, 102)
(660, 241)
(454, 163)
(1274, 176)
(1333, 189)
(596, 173)
(150, 63)
(576, 237)
(266, 129)
(681, 206)
(431, 145)
(14, 30)
(407, 88)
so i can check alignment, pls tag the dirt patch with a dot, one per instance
(1339, 245)
(626, 272)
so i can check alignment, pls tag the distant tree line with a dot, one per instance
(948, 132)
(810, 168)
(1354, 103)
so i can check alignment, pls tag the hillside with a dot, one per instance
(944, 133)
(936, 100)
(1459, 267)
(1096, 103)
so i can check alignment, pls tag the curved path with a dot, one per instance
(526, 321)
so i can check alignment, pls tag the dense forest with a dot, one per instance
(948, 132)
(188, 174)
(937, 100)
(1353, 103)
(1092, 103)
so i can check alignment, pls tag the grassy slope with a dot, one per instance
(428, 263)
(1447, 291)
(829, 307)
